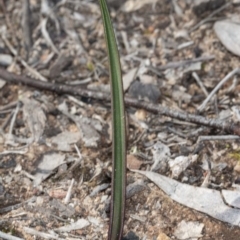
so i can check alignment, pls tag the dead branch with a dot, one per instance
(150, 107)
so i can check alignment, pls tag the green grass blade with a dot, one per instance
(119, 130)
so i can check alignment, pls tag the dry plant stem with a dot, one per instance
(40, 234)
(199, 82)
(14, 118)
(69, 193)
(6, 15)
(210, 16)
(8, 106)
(234, 85)
(24, 63)
(181, 63)
(46, 35)
(5, 111)
(47, 11)
(12, 152)
(217, 138)
(7, 120)
(154, 108)
(16, 206)
(224, 80)
(184, 45)
(8, 236)
(206, 180)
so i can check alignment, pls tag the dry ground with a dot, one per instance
(156, 34)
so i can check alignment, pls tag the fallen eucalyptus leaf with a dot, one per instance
(204, 200)
(228, 34)
(232, 198)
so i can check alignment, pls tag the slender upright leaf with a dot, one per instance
(119, 130)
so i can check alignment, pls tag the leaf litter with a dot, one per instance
(175, 56)
(204, 200)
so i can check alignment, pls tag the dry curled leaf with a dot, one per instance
(133, 162)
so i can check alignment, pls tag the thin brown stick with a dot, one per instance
(210, 16)
(150, 107)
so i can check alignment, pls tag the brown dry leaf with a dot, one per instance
(237, 167)
(57, 193)
(141, 114)
(133, 162)
(162, 236)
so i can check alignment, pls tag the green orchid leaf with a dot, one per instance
(119, 130)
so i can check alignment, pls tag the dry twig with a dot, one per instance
(224, 80)
(210, 16)
(154, 108)
(24, 63)
(183, 63)
(8, 236)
